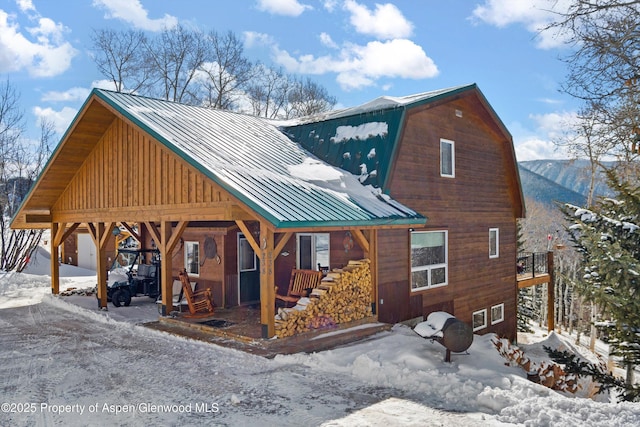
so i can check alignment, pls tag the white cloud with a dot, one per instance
(359, 66)
(554, 124)
(60, 119)
(46, 56)
(73, 94)
(252, 39)
(533, 148)
(330, 5)
(534, 15)
(385, 22)
(25, 5)
(326, 40)
(541, 142)
(283, 7)
(131, 11)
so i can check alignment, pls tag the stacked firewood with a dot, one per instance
(344, 295)
(547, 373)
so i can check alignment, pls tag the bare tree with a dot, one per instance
(308, 97)
(268, 93)
(122, 58)
(176, 56)
(226, 71)
(589, 137)
(20, 164)
(604, 68)
(11, 131)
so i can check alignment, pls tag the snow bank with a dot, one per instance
(395, 378)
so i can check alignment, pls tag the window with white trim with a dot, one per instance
(497, 313)
(312, 249)
(192, 258)
(494, 243)
(428, 259)
(479, 319)
(447, 158)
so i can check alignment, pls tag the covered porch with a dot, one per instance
(150, 167)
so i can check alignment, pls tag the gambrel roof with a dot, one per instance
(246, 156)
(364, 139)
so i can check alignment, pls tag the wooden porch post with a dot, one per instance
(370, 249)
(267, 282)
(551, 318)
(101, 233)
(55, 268)
(59, 233)
(373, 256)
(166, 239)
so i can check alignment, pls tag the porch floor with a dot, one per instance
(240, 328)
(237, 327)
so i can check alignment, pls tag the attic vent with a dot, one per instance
(458, 113)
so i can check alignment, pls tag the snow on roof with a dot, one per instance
(380, 103)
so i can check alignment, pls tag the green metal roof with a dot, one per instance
(361, 139)
(255, 162)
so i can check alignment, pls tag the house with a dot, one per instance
(425, 187)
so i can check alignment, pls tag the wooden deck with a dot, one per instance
(240, 328)
(533, 268)
(528, 279)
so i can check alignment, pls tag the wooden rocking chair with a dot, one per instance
(199, 302)
(301, 282)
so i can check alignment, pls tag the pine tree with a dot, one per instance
(608, 238)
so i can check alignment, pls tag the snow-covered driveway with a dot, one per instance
(60, 367)
(61, 364)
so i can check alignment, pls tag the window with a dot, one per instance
(497, 313)
(246, 255)
(479, 319)
(192, 258)
(428, 259)
(447, 158)
(313, 249)
(494, 243)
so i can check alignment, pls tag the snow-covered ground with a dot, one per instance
(63, 362)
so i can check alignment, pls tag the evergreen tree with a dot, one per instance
(608, 238)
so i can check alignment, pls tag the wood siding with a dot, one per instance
(482, 195)
(131, 173)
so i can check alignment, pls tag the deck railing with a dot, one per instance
(532, 264)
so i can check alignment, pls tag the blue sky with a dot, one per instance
(357, 49)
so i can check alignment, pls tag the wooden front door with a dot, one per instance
(248, 273)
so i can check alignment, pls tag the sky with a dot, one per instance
(357, 49)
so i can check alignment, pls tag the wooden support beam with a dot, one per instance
(153, 230)
(281, 242)
(68, 232)
(551, 324)
(175, 235)
(267, 282)
(166, 239)
(55, 267)
(59, 233)
(132, 231)
(372, 254)
(37, 218)
(101, 234)
(361, 239)
(250, 239)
